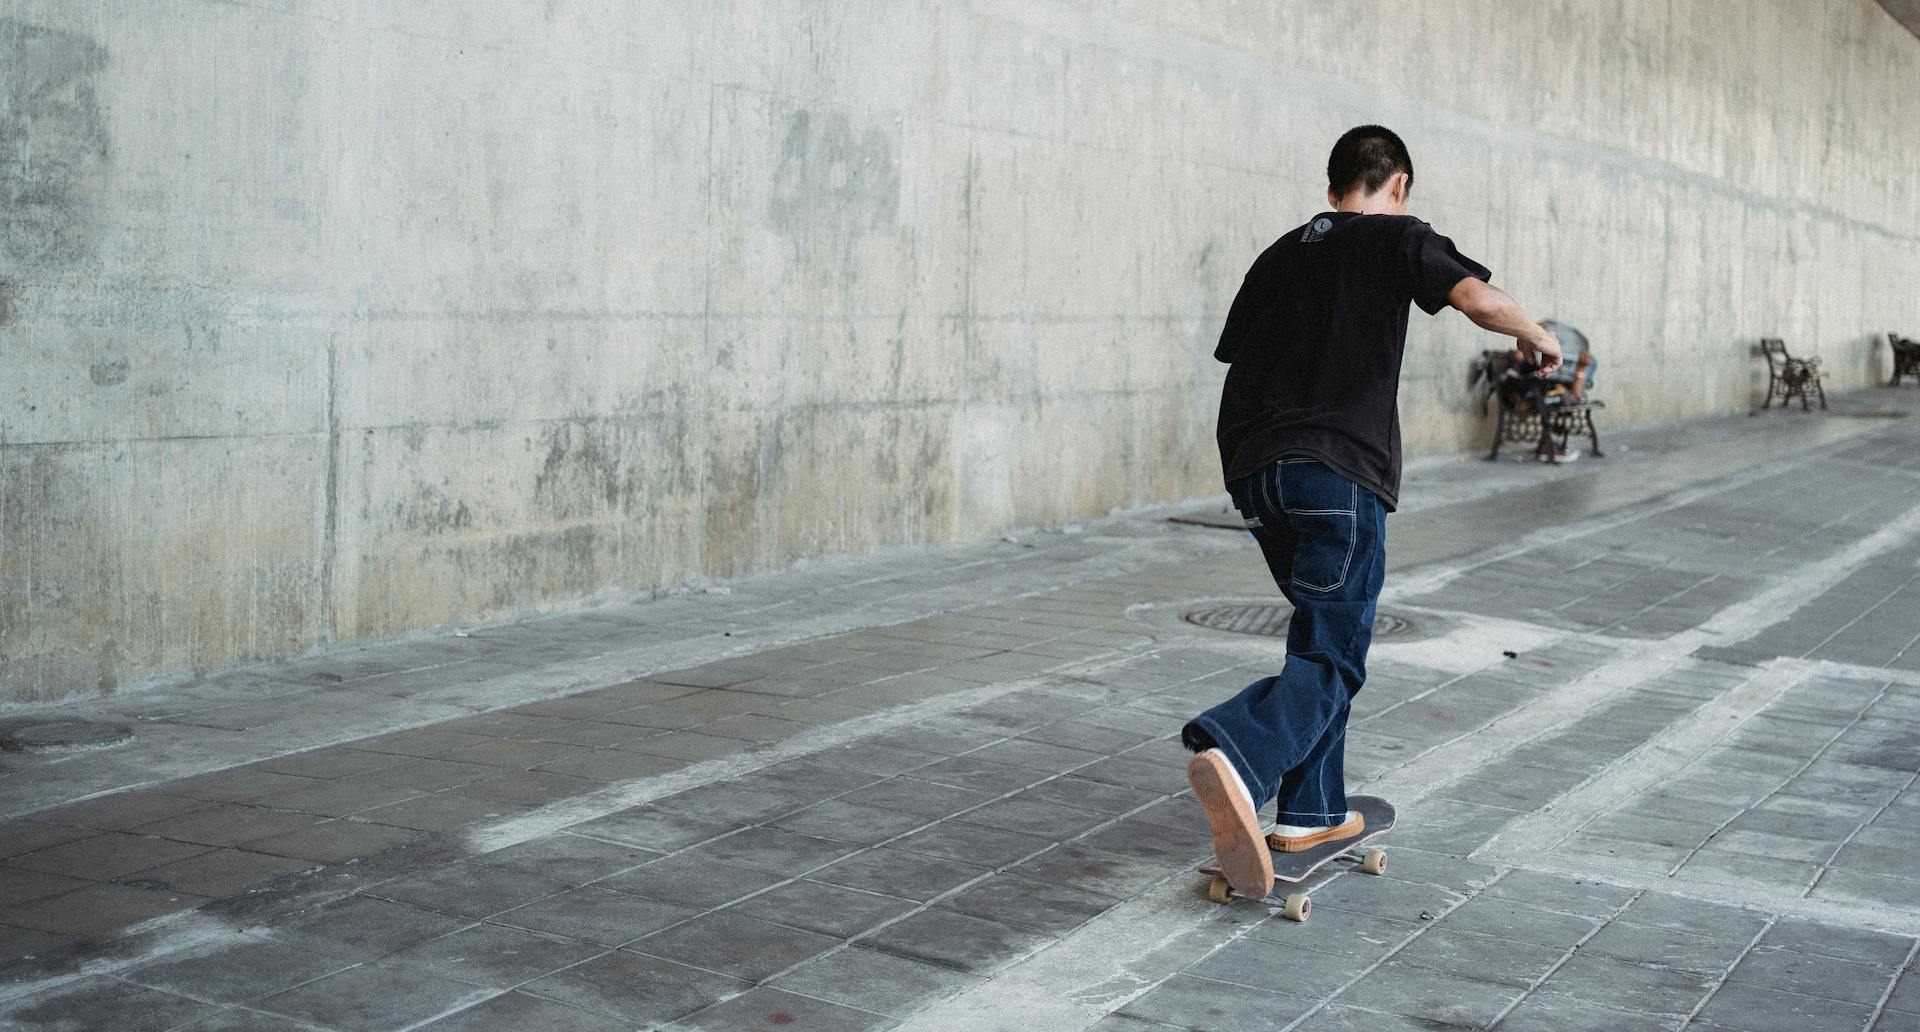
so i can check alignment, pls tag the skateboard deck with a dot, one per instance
(1294, 868)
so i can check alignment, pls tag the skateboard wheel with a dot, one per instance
(1298, 907)
(1374, 862)
(1219, 890)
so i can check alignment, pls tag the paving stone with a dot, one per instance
(1790, 876)
(518, 1010)
(852, 823)
(493, 955)
(978, 775)
(1811, 975)
(122, 811)
(965, 943)
(21, 837)
(1695, 917)
(528, 788)
(1518, 922)
(880, 760)
(443, 811)
(1201, 1005)
(1582, 896)
(813, 775)
(1278, 967)
(427, 774)
(221, 873)
(765, 1007)
(1030, 903)
(1151, 841)
(366, 926)
(1606, 981)
(337, 798)
(106, 856)
(819, 907)
(611, 765)
(914, 796)
(21, 886)
(1032, 818)
(1483, 957)
(1080, 866)
(875, 981)
(567, 858)
(1906, 993)
(1353, 1019)
(655, 828)
(735, 944)
(336, 841)
(1130, 772)
(98, 1002)
(238, 784)
(244, 1019)
(1665, 947)
(1354, 935)
(730, 801)
(1856, 944)
(98, 909)
(374, 997)
(230, 824)
(1085, 794)
(1552, 1012)
(974, 845)
(468, 889)
(1897, 1021)
(596, 915)
(242, 970)
(1753, 1008)
(693, 881)
(1450, 826)
(1432, 995)
(771, 849)
(1858, 887)
(643, 990)
(1383, 896)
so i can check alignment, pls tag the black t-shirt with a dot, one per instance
(1315, 338)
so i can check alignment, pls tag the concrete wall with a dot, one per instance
(331, 319)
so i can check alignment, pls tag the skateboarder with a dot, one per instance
(1309, 436)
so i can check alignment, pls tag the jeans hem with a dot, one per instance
(1234, 756)
(1308, 819)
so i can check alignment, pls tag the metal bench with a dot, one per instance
(1906, 358)
(1789, 377)
(1527, 410)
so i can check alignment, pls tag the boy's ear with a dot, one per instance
(1333, 199)
(1397, 187)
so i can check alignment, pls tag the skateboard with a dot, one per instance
(1294, 868)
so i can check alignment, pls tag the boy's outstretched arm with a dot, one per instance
(1493, 309)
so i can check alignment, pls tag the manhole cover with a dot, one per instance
(54, 734)
(1271, 619)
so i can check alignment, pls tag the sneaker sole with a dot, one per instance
(1302, 843)
(1237, 842)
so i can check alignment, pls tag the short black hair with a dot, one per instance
(1367, 155)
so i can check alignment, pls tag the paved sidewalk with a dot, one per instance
(1651, 722)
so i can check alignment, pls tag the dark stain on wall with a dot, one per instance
(827, 171)
(53, 143)
(9, 296)
(108, 373)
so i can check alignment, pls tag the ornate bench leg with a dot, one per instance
(1593, 434)
(1499, 431)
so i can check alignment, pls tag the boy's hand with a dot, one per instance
(1543, 349)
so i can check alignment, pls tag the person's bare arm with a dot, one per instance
(1493, 309)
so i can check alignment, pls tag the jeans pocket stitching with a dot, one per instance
(1352, 539)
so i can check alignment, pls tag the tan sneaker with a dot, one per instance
(1244, 858)
(1300, 843)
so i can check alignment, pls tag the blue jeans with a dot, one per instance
(1325, 541)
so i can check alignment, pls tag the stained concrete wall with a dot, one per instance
(331, 319)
